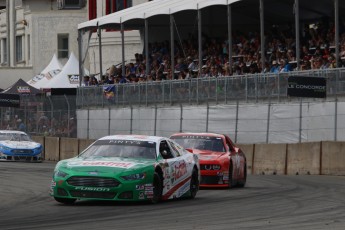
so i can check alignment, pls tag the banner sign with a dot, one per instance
(73, 78)
(299, 86)
(9, 100)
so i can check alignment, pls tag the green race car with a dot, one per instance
(127, 168)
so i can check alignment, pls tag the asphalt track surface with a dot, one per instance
(266, 202)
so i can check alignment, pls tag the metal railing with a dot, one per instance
(221, 90)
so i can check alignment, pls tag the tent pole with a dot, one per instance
(262, 31)
(297, 33)
(123, 49)
(200, 41)
(230, 38)
(147, 46)
(336, 36)
(80, 45)
(100, 52)
(172, 46)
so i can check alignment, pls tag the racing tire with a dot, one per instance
(157, 188)
(242, 183)
(194, 184)
(65, 200)
(231, 175)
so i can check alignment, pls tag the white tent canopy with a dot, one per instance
(68, 77)
(51, 70)
(153, 8)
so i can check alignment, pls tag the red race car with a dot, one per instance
(222, 164)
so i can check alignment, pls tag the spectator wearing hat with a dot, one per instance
(275, 67)
(21, 125)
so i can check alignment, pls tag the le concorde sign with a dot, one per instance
(299, 86)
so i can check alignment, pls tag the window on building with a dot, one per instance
(4, 50)
(70, 4)
(62, 45)
(92, 9)
(117, 5)
(29, 47)
(19, 48)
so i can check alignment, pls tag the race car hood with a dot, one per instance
(208, 155)
(104, 164)
(20, 144)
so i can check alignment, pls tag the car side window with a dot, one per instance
(165, 150)
(175, 148)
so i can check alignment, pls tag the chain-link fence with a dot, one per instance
(41, 115)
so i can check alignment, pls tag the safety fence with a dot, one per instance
(42, 115)
(220, 90)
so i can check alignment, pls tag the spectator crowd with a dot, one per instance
(317, 52)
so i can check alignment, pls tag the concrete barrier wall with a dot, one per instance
(84, 143)
(303, 158)
(52, 148)
(68, 148)
(333, 158)
(248, 150)
(313, 158)
(269, 159)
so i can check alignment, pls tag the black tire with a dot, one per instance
(194, 184)
(65, 200)
(242, 183)
(231, 174)
(157, 188)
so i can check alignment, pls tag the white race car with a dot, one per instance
(18, 146)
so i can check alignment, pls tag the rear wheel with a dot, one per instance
(194, 184)
(157, 188)
(65, 200)
(243, 181)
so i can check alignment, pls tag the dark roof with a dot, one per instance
(22, 88)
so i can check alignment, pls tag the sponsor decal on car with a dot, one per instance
(103, 163)
(139, 187)
(93, 189)
(141, 195)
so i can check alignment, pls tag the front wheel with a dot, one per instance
(194, 184)
(157, 188)
(64, 200)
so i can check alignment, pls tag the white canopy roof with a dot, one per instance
(68, 77)
(53, 68)
(153, 8)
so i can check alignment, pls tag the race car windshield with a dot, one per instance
(14, 137)
(123, 148)
(206, 143)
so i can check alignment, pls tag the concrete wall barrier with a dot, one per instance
(333, 158)
(248, 150)
(304, 158)
(84, 143)
(68, 148)
(52, 148)
(269, 159)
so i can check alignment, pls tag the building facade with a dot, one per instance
(32, 31)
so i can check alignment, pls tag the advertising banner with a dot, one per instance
(299, 86)
(9, 100)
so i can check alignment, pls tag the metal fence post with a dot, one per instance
(131, 122)
(207, 116)
(336, 120)
(109, 120)
(181, 117)
(300, 121)
(236, 124)
(68, 115)
(155, 125)
(268, 122)
(88, 123)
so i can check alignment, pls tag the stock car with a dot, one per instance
(18, 146)
(127, 168)
(222, 164)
